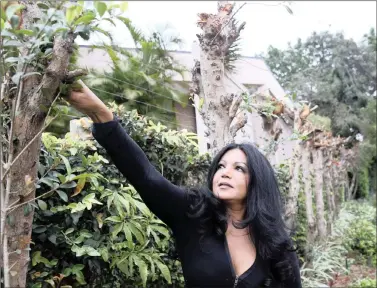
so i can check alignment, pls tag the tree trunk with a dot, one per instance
(307, 178)
(27, 124)
(318, 170)
(329, 191)
(336, 173)
(353, 188)
(294, 187)
(220, 108)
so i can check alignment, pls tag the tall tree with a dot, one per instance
(37, 42)
(333, 72)
(219, 109)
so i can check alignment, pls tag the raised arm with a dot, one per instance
(163, 198)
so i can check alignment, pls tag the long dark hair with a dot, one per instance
(263, 215)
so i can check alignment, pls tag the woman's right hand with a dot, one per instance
(85, 101)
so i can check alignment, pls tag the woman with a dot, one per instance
(228, 234)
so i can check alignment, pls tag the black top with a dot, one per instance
(205, 262)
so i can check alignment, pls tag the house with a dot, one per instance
(250, 74)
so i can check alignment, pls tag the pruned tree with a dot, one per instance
(219, 109)
(307, 172)
(37, 42)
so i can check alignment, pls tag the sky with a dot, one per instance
(267, 22)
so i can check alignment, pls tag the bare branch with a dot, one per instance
(27, 146)
(234, 107)
(31, 200)
(239, 121)
(71, 75)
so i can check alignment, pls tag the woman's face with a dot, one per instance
(231, 179)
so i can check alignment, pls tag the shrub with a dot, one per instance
(367, 283)
(93, 229)
(356, 225)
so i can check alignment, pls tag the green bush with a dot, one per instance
(361, 237)
(363, 186)
(357, 227)
(367, 283)
(93, 229)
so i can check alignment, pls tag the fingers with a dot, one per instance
(85, 89)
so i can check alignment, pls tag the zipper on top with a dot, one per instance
(235, 282)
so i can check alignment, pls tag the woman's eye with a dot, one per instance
(220, 166)
(239, 168)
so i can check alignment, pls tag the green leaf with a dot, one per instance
(128, 234)
(25, 32)
(52, 238)
(161, 230)
(136, 232)
(73, 151)
(80, 277)
(69, 231)
(14, 21)
(68, 185)
(86, 18)
(100, 7)
(142, 207)
(85, 250)
(164, 271)
(104, 253)
(143, 269)
(77, 268)
(42, 204)
(123, 266)
(62, 195)
(67, 165)
(42, 5)
(91, 251)
(67, 272)
(124, 202)
(72, 12)
(2, 24)
(40, 229)
(117, 229)
(112, 54)
(47, 181)
(12, 9)
(115, 219)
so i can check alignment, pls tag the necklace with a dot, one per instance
(237, 235)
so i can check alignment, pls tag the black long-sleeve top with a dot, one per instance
(205, 262)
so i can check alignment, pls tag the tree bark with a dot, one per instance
(328, 191)
(307, 171)
(294, 187)
(27, 124)
(219, 33)
(353, 188)
(318, 170)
